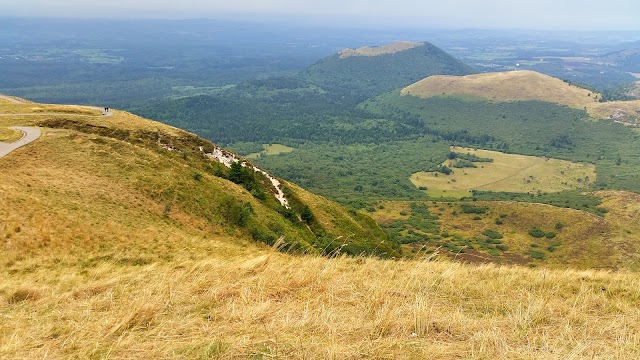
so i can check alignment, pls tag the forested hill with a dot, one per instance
(318, 104)
(375, 70)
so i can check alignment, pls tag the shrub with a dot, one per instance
(502, 247)
(307, 215)
(476, 218)
(472, 209)
(538, 255)
(550, 235)
(499, 222)
(534, 245)
(234, 211)
(559, 226)
(492, 234)
(536, 233)
(464, 164)
(444, 169)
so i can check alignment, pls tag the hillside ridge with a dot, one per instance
(526, 85)
(519, 85)
(202, 183)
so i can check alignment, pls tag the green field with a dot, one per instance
(507, 172)
(269, 150)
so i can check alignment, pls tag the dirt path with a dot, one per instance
(30, 134)
(11, 100)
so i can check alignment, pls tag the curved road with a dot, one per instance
(30, 134)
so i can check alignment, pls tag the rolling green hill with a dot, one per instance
(374, 70)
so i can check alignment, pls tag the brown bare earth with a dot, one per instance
(379, 50)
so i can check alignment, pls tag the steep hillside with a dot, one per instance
(91, 181)
(374, 70)
(121, 239)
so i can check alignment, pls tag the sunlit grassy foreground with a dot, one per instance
(96, 263)
(272, 305)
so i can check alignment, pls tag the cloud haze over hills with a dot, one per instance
(542, 14)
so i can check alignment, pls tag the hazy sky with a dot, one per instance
(538, 14)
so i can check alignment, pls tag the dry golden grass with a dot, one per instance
(520, 85)
(6, 99)
(10, 135)
(606, 109)
(270, 305)
(48, 109)
(504, 86)
(585, 241)
(90, 267)
(379, 50)
(508, 172)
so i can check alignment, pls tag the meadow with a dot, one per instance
(518, 233)
(270, 150)
(506, 172)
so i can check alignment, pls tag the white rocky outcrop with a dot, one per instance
(227, 158)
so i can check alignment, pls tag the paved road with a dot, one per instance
(30, 134)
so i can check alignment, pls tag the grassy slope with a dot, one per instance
(91, 181)
(520, 85)
(584, 241)
(504, 86)
(263, 305)
(91, 269)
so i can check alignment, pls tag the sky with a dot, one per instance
(461, 14)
